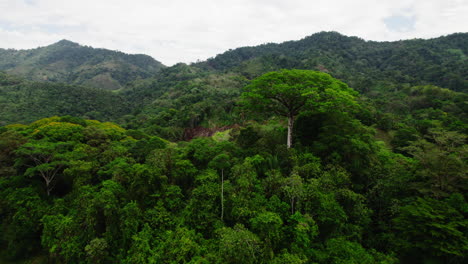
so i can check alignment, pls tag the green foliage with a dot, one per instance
(293, 188)
(178, 246)
(25, 101)
(342, 251)
(116, 198)
(303, 231)
(144, 146)
(142, 250)
(45, 159)
(238, 245)
(363, 64)
(289, 92)
(432, 228)
(70, 62)
(10, 140)
(288, 258)
(268, 226)
(60, 240)
(379, 178)
(96, 250)
(442, 162)
(21, 211)
(203, 208)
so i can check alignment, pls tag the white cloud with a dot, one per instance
(184, 31)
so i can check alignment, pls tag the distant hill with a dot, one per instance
(69, 62)
(23, 101)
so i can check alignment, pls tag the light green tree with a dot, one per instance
(288, 92)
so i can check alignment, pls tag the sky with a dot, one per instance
(173, 31)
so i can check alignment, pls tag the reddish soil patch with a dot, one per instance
(191, 133)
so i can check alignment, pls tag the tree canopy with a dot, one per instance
(288, 92)
(183, 177)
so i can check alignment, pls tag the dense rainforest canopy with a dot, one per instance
(177, 168)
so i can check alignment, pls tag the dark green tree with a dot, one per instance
(433, 229)
(238, 245)
(46, 159)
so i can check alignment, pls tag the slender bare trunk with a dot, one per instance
(222, 194)
(290, 130)
(292, 205)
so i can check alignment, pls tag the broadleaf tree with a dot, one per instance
(288, 92)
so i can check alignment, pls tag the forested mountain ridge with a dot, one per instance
(389, 73)
(203, 94)
(363, 64)
(66, 61)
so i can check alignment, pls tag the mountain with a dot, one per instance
(390, 73)
(184, 96)
(69, 62)
(363, 64)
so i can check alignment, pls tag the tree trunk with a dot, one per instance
(290, 130)
(222, 194)
(292, 205)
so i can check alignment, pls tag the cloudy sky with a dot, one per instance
(174, 31)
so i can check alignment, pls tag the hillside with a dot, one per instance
(23, 101)
(184, 96)
(69, 62)
(203, 94)
(363, 64)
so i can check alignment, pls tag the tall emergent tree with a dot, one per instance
(46, 159)
(288, 92)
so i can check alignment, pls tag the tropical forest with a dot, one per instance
(329, 149)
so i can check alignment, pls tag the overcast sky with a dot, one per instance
(174, 31)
